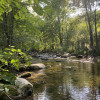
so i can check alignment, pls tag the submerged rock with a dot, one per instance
(37, 66)
(44, 58)
(58, 60)
(25, 75)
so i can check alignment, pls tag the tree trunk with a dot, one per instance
(5, 28)
(11, 24)
(62, 32)
(66, 32)
(96, 37)
(90, 28)
(8, 23)
(67, 36)
(60, 37)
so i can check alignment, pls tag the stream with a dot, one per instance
(67, 80)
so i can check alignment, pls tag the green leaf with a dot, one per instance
(12, 46)
(36, 1)
(7, 49)
(1, 11)
(10, 53)
(6, 62)
(13, 61)
(28, 63)
(17, 65)
(19, 50)
(16, 17)
(13, 50)
(5, 53)
(6, 89)
(6, 70)
(8, 77)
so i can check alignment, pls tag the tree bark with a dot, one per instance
(5, 28)
(8, 23)
(11, 25)
(60, 37)
(90, 28)
(96, 36)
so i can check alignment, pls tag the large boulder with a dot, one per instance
(36, 66)
(25, 88)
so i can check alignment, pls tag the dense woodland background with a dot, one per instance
(47, 26)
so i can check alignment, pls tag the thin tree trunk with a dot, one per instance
(11, 24)
(66, 31)
(62, 32)
(67, 35)
(60, 37)
(90, 28)
(96, 37)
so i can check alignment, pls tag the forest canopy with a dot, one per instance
(46, 25)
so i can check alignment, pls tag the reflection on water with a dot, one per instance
(69, 81)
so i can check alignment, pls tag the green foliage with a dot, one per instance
(7, 77)
(38, 9)
(11, 58)
(43, 31)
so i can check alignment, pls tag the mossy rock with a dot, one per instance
(12, 92)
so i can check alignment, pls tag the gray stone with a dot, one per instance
(25, 88)
(37, 66)
(65, 55)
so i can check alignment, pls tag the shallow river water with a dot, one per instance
(68, 81)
